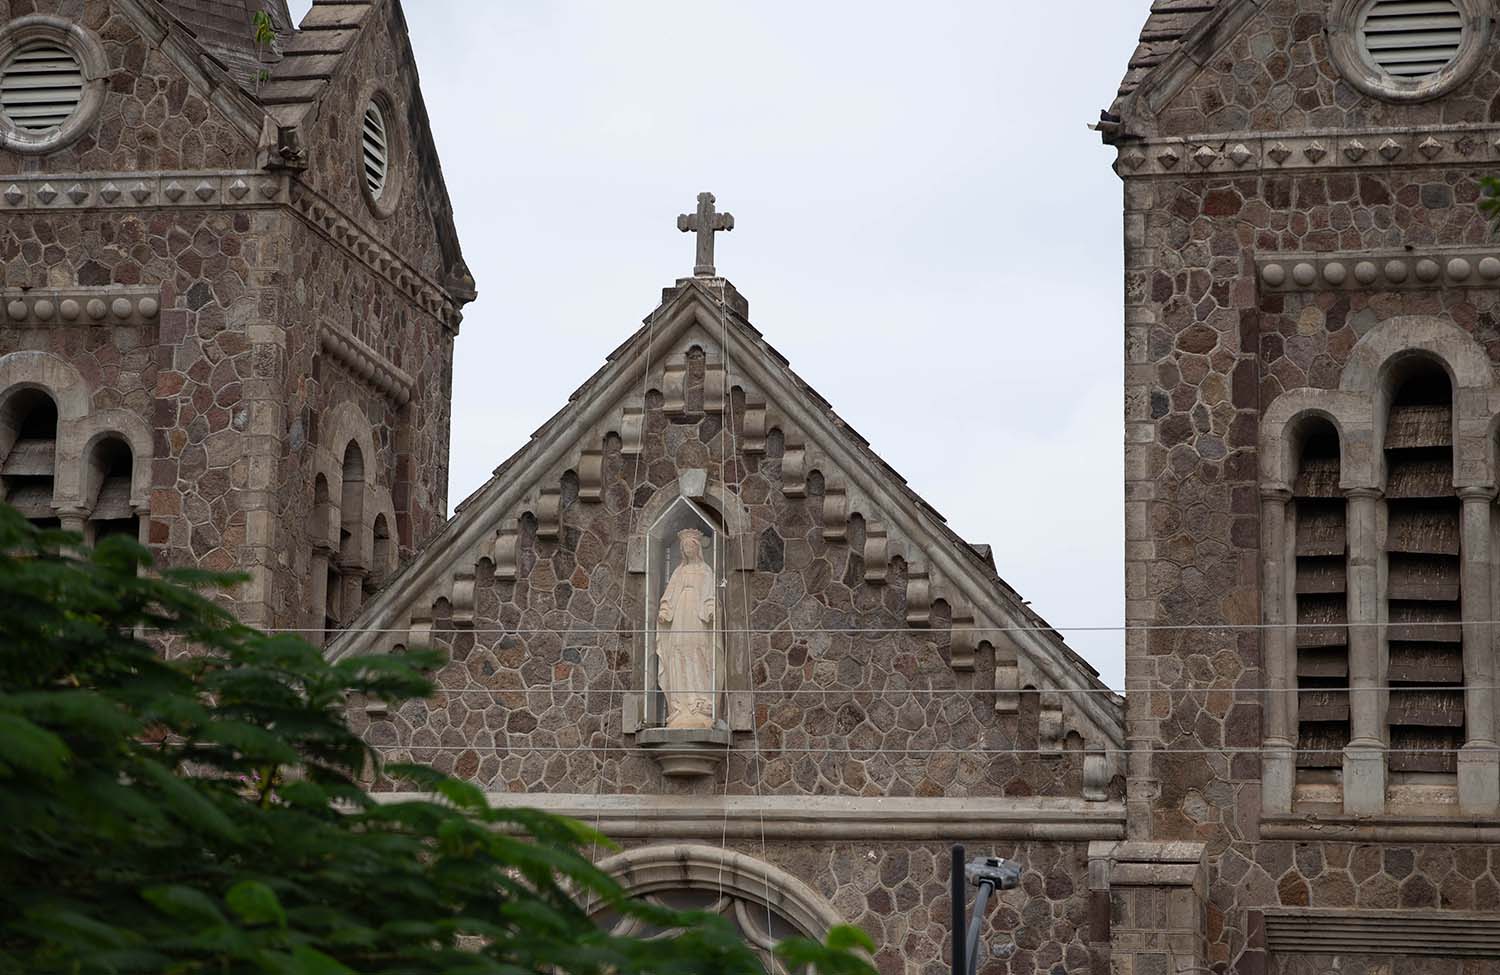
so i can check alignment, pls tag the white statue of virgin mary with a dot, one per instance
(685, 644)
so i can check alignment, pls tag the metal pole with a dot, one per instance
(980, 902)
(960, 962)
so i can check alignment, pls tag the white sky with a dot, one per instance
(923, 226)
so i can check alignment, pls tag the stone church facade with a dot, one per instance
(232, 290)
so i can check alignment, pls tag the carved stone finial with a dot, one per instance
(705, 223)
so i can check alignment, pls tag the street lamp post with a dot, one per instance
(989, 874)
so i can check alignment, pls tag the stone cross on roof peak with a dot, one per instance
(705, 223)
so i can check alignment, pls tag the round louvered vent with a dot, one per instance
(376, 151)
(1412, 38)
(41, 85)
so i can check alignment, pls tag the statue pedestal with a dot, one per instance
(686, 752)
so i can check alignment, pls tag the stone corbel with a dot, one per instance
(591, 476)
(753, 440)
(918, 596)
(1050, 728)
(1007, 675)
(507, 544)
(419, 632)
(674, 385)
(632, 431)
(685, 753)
(794, 471)
(548, 513)
(1095, 774)
(713, 387)
(835, 514)
(877, 554)
(963, 639)
(462, 601)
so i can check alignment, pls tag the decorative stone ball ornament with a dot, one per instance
(1409, 50)
(52, 80)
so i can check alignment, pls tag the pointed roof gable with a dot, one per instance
(942, 565)
(317, 52)
(1178, 39)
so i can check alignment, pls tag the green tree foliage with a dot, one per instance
(200, 811)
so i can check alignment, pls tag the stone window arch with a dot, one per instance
(1415, 422)
(28, 453)
(765, 903)
(109, 487)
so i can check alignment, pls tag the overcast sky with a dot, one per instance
(923, 226)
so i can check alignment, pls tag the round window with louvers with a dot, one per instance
(50, 82)
(1409, 50)
(377, 157)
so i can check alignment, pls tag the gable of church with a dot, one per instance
(345, 60)
(851, 615)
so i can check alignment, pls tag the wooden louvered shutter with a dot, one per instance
(40, 86)
(376, 152)
(1412, 38)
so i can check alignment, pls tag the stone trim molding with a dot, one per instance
(1295, 931)
(92, 64)
(1388, 270)
(366, 363)
(1350, 55)
(818, 818)
(333, 223)
(129, 191)
(653, 869)
(1310, 150)
(1383, 828)
(108, 305)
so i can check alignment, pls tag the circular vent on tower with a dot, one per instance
(376, 150)
(1412, 39)
(41, 85)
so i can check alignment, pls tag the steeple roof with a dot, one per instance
(225, 29)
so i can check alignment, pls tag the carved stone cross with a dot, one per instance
(705, 223)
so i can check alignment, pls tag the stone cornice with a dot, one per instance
(233, 189)
(333, 223)
(109, 305)
(133, 191)
(1385, 270)
(825, 817)
(1218, 154)
(366, 363)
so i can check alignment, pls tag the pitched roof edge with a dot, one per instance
(956, 561)
(156, 23)
(1163, 82)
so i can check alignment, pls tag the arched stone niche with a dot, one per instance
(764, 903)
(694, 491)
